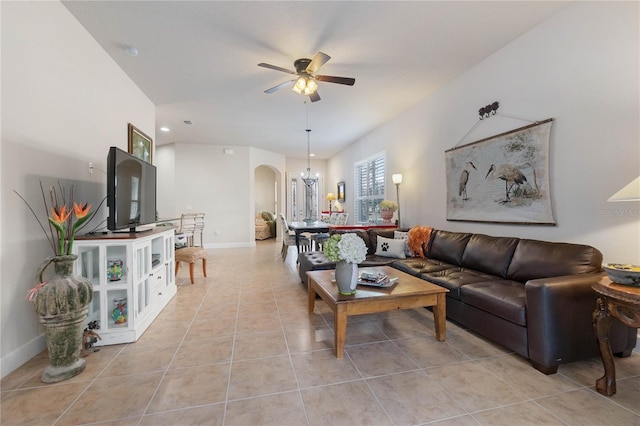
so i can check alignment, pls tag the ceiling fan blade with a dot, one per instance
(319, 60)
(340, 80)
(314, 96)
(273, 67)
(280, 86)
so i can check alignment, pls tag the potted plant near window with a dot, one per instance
(62, 302)
(387, 208)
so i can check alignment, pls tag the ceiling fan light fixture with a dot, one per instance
(301, 84)
(306, 82)
(305, 85)
(311, 87)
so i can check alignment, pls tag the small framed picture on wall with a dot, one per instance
(140, 145)
(341, 192)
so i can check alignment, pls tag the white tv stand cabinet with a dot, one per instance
(133, 280)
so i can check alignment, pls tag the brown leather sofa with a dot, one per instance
(533, 297)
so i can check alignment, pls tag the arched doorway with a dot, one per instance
(265, 202)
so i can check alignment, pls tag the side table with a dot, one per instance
(615, 301)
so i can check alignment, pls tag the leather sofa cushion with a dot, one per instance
(448, 246)
(502, 298)
(417, 266)
(455, 278)
(542, 259)
(489, 254)
(374, 260)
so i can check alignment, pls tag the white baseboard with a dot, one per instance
(24, 353)
(230, 245)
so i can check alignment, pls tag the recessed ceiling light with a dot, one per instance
(130, 51)
(164, 129)
(312, 155)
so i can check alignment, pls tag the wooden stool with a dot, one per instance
(192, 224)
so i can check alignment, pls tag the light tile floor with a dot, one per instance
(238, 348)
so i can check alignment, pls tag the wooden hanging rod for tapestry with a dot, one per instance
(489, 110)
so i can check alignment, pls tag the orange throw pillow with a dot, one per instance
(418, 237)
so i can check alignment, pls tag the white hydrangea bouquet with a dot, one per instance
(346, 247)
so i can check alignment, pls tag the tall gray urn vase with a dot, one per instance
(63, 304)
(346, 277)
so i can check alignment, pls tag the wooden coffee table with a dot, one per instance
(408, 293)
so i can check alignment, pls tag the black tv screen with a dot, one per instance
(131, 191)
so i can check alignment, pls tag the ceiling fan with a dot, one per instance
(307, 83)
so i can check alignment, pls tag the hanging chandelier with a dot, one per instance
(309, 180)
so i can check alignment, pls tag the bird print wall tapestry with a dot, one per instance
(503, 178)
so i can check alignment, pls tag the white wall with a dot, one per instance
(164, 160)
(580, 67)
(205, 179)
(64, 102)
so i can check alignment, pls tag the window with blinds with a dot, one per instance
(369, 178)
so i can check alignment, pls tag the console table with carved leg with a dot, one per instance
(615, 301)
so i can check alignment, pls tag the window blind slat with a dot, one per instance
(369, 179)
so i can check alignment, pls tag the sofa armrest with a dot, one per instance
(559, 325)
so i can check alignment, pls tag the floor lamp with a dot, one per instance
(397, 180)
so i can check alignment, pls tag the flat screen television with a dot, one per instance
(131, 191)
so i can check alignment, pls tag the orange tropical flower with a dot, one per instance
(60, 214)
(81, 210)
(62, 223)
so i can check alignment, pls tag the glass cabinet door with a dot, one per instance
(117, 309)
(142, 256)
(169, 265)
(88, 263)
(142, 279)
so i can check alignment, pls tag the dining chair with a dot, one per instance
(342, 218)
(289, 239)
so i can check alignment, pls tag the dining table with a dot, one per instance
(316, 227)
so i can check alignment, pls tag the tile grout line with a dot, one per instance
(293, 368)
(233, 349)
(91, 382)
(166, 370)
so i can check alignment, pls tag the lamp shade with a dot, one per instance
(397, 178)
(631, 192)
(331, 196)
